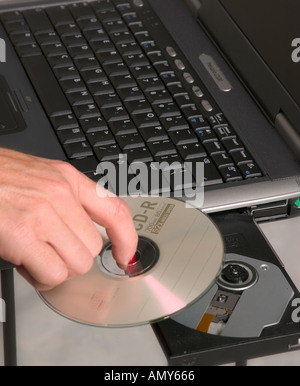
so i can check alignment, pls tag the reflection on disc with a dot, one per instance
(179, 255)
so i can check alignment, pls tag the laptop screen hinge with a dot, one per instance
(288, 133)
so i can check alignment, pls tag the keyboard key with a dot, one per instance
(230, 173)
(93, 75)
(116, 69)
(67, 29)
(211, 174)
(125, 126)
(222, 159)
(82, 51)
(17, 27)
(142, 72)
(22, 38)
(173, 160)
(102, 45)
(28, 50)
(79, 98)
(54, 49)
(164, 110)
(62, 122)
(232, 144)
(130, 48)
(159, 96)
(85, 165)
(114, 25)
(107, 152)
(145, 120)
(63, 73)
(107, 100)
(90, 63)
(101, 88)
(78, 149)
(71, 135)
(184, 100)
(178, 178)
(206, 135)
(92, 124)
(95, 34)
(89, 24)
(241, 156)
(115, 113)
(45, 83)
(122, 37)
(175, 123)
(170, 78)
(182, 137)
(151, 84)
(160, 148)
(136, 60)
(176, 89)
(138, 106)
(109, 57)
(163, 67)
(225, 132)
(199, 122)
(214, 147)
(86, 111)
(218, 120)
(38, 20)
(12, 16)
(60, 15)
(99, 138)
(130, 141)
(130, 93)
(140, 154)
(192, 150)
(73, 85)
(154, 133)
(58, 61)
(250, 170)
(123, 81)
(81, 11)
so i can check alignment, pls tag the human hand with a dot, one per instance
(47, 209)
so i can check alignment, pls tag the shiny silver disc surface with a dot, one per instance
(180, 254)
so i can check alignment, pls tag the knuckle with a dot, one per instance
(84, 266)
(66, 168)
(42, 208)
(63, 189)
(59, 183)
(28, 225)
(56, 277)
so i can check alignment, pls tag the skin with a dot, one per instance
(47, 210)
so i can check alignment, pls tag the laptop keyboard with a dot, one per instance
(112, 81)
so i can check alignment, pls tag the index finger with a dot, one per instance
(112, 213)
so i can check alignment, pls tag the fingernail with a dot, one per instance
(133, 260)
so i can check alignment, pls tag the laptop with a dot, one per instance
(187, 81)
(87, 81)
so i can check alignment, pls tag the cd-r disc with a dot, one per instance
(179, 255)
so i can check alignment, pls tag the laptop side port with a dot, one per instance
(275, 210)
(271, 211)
